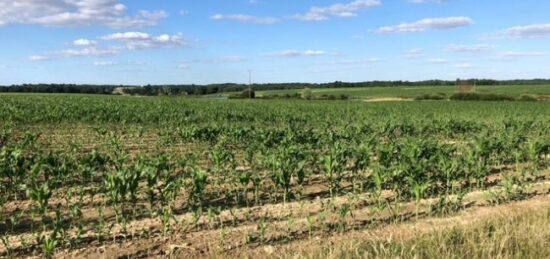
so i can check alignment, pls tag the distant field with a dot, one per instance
(411, 92)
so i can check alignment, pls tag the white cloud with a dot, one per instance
(72, 13)
(127, 36)
(427, 1)
(464, 65)
(224, 59)
(84, 42)
(285, 53)
(86, 52)
(38, 58)
(243, 18)
(103, 63)
(296, 53)
(141, 40)
(90, 51)
(312, 53)
(428, 24)
(131, 41)
(438, 60)
(529, 31)
(337, 10)
(470, 48)
(520, 54)
(350, 62)
(344, 10)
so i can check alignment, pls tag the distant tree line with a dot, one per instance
(230, 87)
(59, 88)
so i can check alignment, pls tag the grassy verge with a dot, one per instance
(523, 235)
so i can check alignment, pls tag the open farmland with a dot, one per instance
(115, 176)
(412, 91)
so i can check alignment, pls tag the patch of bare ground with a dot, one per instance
(388, 99)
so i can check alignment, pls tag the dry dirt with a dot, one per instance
(388, 99)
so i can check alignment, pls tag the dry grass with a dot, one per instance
(518, 233)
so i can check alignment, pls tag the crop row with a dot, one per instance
(271, 170)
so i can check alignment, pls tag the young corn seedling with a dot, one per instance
(360, 164)
(289, 225)
(40, 195)
(334, 164)
(234, 216)
(165, 217)
(223, 236)
(418, 190)
(197, 214)
(345, 209)
(213, 214)
(198, 184)
(100, 225)
(244, 179)
(223, 160)
(310, 222)
(262, 229)
(49, 244)
(285, 164)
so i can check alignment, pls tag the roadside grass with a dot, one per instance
(511, 235)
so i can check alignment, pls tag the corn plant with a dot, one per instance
(285, 164)
(198, 182)
(334, 163)
(244, 179)
(40, 194)
(49, 244)
(361, 161)
(418, 191)
(223, 160)
(344, 210)
(165, 216)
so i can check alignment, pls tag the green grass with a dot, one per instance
(411, 92)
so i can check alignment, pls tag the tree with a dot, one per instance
(307, 94)
(248, 93)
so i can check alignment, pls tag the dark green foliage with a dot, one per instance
(248, 94)
(528, 98)
(439, 96)
(481, 97)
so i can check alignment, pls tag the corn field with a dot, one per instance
(80, 175)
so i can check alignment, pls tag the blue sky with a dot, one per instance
(170, 42)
